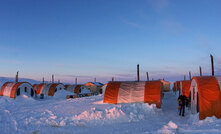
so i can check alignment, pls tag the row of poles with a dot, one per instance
(52, 79)
(200, 69)
(138, 73)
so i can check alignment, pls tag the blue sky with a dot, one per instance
(108, 38)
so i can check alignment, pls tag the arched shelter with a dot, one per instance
(131, 92)
(185, 87)
(74, 88)
(13, 89)
(48, 89)
(205, 96)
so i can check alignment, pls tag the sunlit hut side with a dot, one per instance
(166, 86)
(74, 88)
(102, 90)
(184, 87)
(93, 86)
(48, 89)
(205, 96)
(176, 86)
(130, 92)
(14, 89)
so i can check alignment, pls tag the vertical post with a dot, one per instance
(112, 78)
(95, 79)
(190, 75)
(212, 64)
(200, 71)
(184, 77)
(16, 77)
(147, 76)
(52, 78)
(138, 73)
(43, 80)
(59, 81)
(175, 88)
(76, 81)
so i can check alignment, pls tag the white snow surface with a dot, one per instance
(56, 115)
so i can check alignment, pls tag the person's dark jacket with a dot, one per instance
(182, 100)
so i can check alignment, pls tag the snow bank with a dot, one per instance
(170, 128)
(61, 94)
(89, 115)
(117, 113)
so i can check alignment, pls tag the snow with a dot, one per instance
(25, 115)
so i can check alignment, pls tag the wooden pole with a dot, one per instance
(212, 64)
(76, 81)
(94, 79)
(147, 76)
(190, 75)
(138, 73)
(58, 81)
(184, 77)
(16, 77)
(200, 71)
(43, 80)
(112, 78)
(52, 78)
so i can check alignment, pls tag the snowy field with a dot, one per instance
(89, 115)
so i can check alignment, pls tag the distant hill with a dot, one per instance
(10, 79)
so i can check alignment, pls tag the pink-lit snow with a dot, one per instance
(89, 115)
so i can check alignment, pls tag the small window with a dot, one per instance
(197, 103)
(25, 89)
(193, 93)
(60, 88)
(55, 90)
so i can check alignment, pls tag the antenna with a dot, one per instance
(76, 81)
(52, 78)
(212, 64)
(190, 75)
(112, 78)
(16, 77)
(200, 71)
(95, 79)
(147, 76)
(138, 73)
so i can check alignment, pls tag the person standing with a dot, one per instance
(182, 100)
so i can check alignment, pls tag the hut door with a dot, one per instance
(194, 100)
(18, 92)
(197, 108)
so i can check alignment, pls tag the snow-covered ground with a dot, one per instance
(89, 115)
